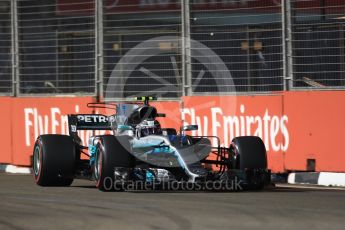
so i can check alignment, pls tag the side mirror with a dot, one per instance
(190, 127)
(124, 127)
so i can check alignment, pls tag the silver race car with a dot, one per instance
(140, 154)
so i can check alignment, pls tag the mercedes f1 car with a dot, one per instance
(140, 150)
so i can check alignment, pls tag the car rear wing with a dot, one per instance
(89, 122)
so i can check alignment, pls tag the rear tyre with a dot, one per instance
(250, 158)
(111, 152)
(250, 152)
(54, 159)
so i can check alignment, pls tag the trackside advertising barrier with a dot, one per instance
(6, 130)
(317, 130)
(26, 118)
(297, 127)
(231, 116)
(34, 116)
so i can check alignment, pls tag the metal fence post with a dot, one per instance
(14, 48)
(186, 49)
(99, 49)
(287, 44)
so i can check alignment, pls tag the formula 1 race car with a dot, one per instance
(140, 154)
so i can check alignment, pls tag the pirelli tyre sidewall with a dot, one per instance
(111, 152)
(250, 158)
(54, 158)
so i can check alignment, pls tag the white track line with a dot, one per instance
(307, 186)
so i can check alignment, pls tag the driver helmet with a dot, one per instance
(148, 127)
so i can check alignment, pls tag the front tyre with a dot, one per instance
(111, 152)
(54, 159)
(250, 159)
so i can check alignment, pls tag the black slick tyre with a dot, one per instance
(250, 158)
(111, 152)
(54, 158)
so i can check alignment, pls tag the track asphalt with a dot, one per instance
(24, 205)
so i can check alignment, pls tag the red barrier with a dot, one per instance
(295, 126)
(172, 111)
(317, 127)
(231, 116)
(5, 134)
(34, 116)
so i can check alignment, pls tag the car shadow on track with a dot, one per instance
(271, 189)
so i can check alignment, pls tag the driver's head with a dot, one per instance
(148, 127)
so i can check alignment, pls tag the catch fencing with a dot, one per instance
(121, 48)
